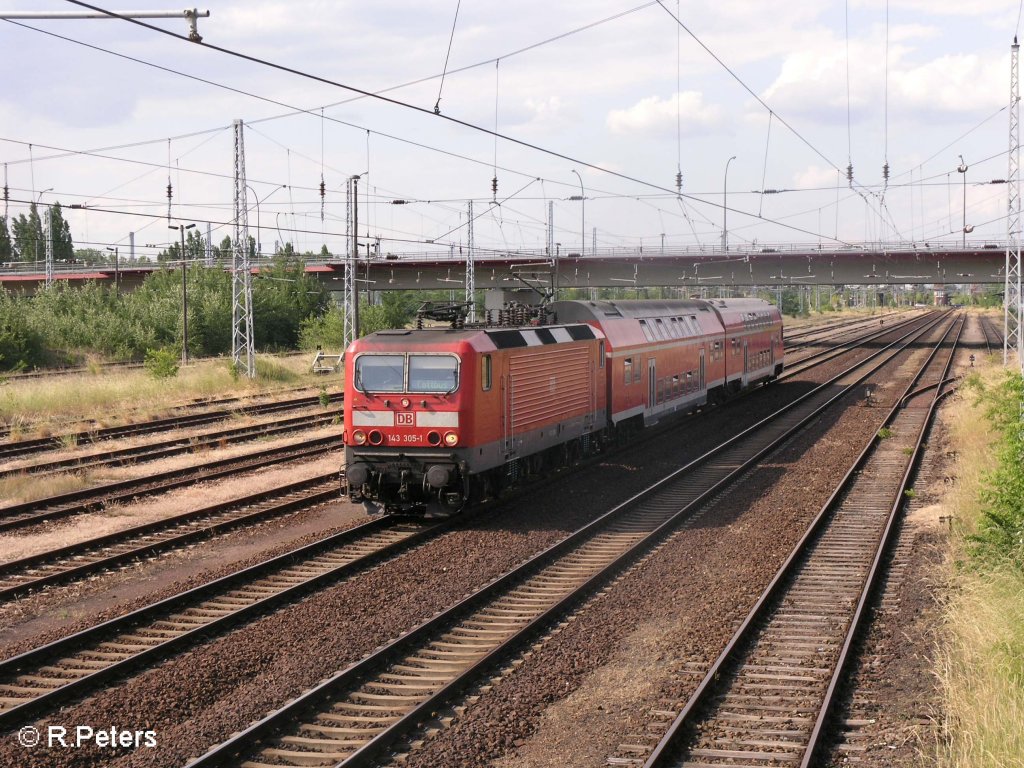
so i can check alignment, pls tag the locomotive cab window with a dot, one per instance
(485, 373)
(627, 367)
(433, 373)
(380, 373)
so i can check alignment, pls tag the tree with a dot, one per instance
(283, 296)
(63, 247)
(6, 246)
(28, 236)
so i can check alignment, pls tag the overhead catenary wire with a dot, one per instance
(451, 38)
(397, 102)
(453, 120)
(849, 131)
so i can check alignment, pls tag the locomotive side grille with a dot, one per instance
(548, 386)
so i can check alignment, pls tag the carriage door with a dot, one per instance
(652, 380)
(700, 381)
(746, 362)
(772, 353)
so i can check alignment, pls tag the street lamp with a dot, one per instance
(117, 270)
(583, 209)
(962, 168)
(39, 200)
(184, 294)
(725, 208)
(259, 245)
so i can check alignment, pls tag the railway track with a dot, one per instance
(100, 497)
(72, 562)
(28, 574)
(766, 699)
(834, 350)
(366, 712)
(806, 337)
(993, 336)
(75, 665)
(20, 448)
(177, 446)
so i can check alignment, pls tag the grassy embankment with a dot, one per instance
(980, 662)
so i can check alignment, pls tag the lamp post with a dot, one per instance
(39, 200)
(725, 207)
(259, 245)
(962, 168)
(184, 295)
(583, 209)
(117, 270)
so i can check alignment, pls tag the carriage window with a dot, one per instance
(600, 355)
(648, 333)
(380, 373)
(627, 376)
(433, 373)
(485, 374)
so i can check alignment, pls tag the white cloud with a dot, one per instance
(656, 116)
(814, 176)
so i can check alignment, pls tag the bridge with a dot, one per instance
(766, 266)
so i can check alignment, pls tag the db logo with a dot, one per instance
(405, 419)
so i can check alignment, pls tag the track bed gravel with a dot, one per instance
(630, 651)
(201, 697)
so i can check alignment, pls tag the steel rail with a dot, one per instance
(195, 404)
(162, 449)
(668, 747)
(25, 575)
(649, 515)
(823, 356)
(19, 448)
(98, 497)
(74, 665)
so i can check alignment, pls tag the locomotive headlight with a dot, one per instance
(359, 437)
(406, 402)
(450, 439)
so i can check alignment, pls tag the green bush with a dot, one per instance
(1001, 527)
(162, 363)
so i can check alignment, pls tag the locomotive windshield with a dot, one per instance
(433, 373)
(407, 373)
(380, 373)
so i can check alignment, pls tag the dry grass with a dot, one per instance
(110, 398)
(15, 489)
(980, 661)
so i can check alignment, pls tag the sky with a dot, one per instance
(606, 100)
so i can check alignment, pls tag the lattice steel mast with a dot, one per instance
(1012, 289)
(350, 296)
(243, 353)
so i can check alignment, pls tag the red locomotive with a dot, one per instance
(436, 418)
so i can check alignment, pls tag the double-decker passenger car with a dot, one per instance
(435, 418)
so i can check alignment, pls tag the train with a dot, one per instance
(439, 418)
